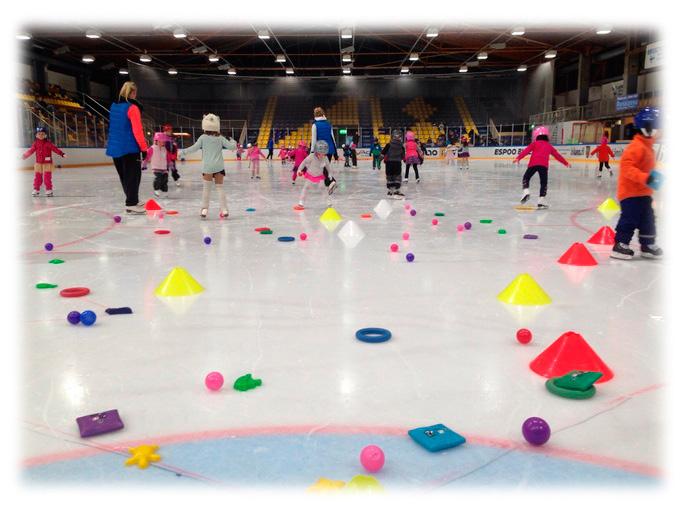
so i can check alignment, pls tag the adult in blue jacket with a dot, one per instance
(322, 130)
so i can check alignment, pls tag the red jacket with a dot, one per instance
(540, 154)
(603, 152)
(637, 162)
(43, 151)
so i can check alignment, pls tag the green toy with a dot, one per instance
(502, 231)
(45, 285)
(246, 382)
(266, 231)
(485, 221)
(577, 384)
(439, 214)
(56, 261)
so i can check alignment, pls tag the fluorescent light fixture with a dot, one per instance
(463, 69)
(550, 54)
(88, 59)
(179, 33)
(482, 55)
(346, 57)
(172, 70)
(346, 33)
(603, 30)
(231, 71)
(91, 33)
(123, 71)
(289, 70)
(214, 58)
(413, 57)
(145, 58)
(518, 31)
(24, 36)
(522, 68)
(432, 32)
(263, 34)
(280, 58)
(404, 70)
(346, 70)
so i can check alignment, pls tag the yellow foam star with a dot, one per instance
(143, 455)
(325, 484)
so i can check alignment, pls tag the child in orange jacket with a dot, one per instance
(603, 152)
(637, 182)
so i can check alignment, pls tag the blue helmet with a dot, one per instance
(647, 120)
(41, 129)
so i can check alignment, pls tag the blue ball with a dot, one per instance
(207, 240)
(73, 317)
(49, 246)
(88, 317)
(410, 257)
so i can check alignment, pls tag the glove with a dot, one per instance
(655, 180)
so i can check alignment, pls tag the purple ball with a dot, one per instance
(536, 431)
(413, 212)
(468, 225)
(73, 317)
(410, 257)
(49, 246)
(207, 240)
(117, 219)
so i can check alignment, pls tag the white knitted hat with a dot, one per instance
(211, 122)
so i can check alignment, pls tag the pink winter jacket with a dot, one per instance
(300, 154)
(412, 149)
(541, 151)
(255, 153)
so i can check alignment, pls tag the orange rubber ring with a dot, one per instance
(74, 292)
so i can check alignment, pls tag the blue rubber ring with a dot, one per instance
(373, 335)
(286, 239)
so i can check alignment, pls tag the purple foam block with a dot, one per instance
(530, 236)
(119, 311)
(99, 423)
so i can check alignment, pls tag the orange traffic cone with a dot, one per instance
(603, 236)
(577, 255)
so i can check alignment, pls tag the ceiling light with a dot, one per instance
(172, 70)
(231, 71)
(603, 30)
(214, 58)
(518, 31)
(289, 70)
(263, 34)
(93, 34)
(522, 68)
(88, 59)
(346, 33)
(280, 58)
(145, 58)
(413, 57)
(432, 32)
(482, 55)
(24, 36)
(404, 70)
(462, 69)
(123, 71)
(550, 54)
(346, 57)
(179, 33)
(346, 70)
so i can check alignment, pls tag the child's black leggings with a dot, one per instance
(604, 163)
(542, 175)
(415, 169)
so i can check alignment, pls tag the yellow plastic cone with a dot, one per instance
(524, 290)
(609, 205)
(330, 214)
(179, 283)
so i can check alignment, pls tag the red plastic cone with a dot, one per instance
(603, 236)
(577, 255)
(570, 352)
(152, 205)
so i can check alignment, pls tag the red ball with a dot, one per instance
(523, 336)
(394, 247)
(435, 221)
(303, 236)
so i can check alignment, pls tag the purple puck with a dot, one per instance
(536, 431)
(530, 236)
(73, 317)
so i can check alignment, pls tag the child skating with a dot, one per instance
(394, 154)
(157, 156)
(540, 150)
(603, 152)
(212, 143)
(464, 153)
(255, 155)
(637, 182)
(171, 147)
(413, 155)
(299, 156)
(43, 149)
(450, 154)
(375, 150)
(316, 168)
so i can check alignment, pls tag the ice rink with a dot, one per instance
(288, 313)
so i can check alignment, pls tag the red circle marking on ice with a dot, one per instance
(74, 292)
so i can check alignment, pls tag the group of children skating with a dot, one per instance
(636, 183)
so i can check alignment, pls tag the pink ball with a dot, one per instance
(214, 381)
(405, 236)
(407, 206)
(435, 221)
(523, 336)
(460, 228)
(303, 237)
(394, 247)
(372, 458)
